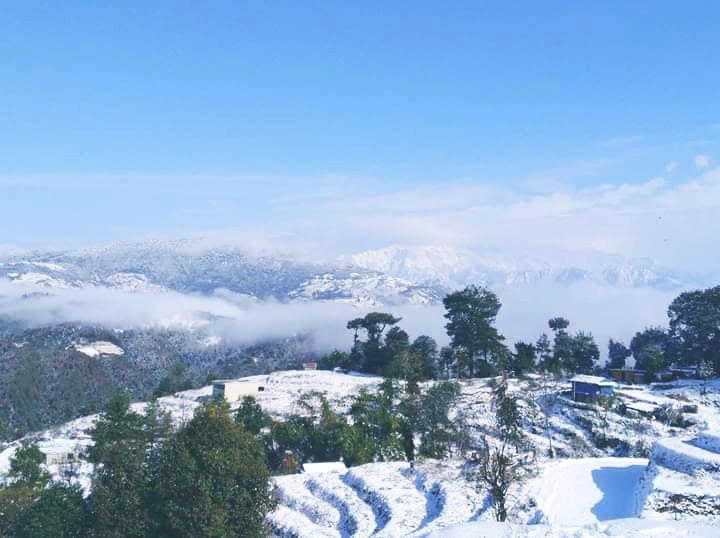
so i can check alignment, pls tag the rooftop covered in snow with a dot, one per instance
(324, 467)
(593, 380)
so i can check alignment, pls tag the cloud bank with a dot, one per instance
(604, 311)
(674, 223)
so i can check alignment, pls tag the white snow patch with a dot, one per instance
(100, 349)
(587, 490)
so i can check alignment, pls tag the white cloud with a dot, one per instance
(605, 311)
(673, 223)
(702, 161)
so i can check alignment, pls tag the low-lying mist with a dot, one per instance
(602, 310)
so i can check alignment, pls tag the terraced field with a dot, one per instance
(683, 478)
(379, 499)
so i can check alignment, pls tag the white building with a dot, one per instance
(232, 390)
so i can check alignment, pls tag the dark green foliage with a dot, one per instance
(374, 324)
(446, 362)
(336, 359)
(60, 512)
(319, 434)
(427, 348)
(562, 351)
(409, 367)
(585, 353)
(438, 433)
(695, 323)
(569, 354)
(543, 348)
(326, 437)
(378, 424)
(471, 316)
(158, 426)
(288, 436)
(24, 391)
(120, 484)
(25, 466)
(508, 419)
(652, 350)
(617, 353)
(26, 482)
(45, 381)
(558, 324)
(523, 360)
(177, 380)
(396, 340)
(375, 352)
(251, 416)
(212, 479)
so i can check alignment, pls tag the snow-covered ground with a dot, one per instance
(683, 478)
(587, 490)
(282, 389)
(625, 528)
(582, 491)
(378, 499)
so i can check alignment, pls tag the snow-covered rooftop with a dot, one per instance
(643, 407)
(593, 380)
(324, 467)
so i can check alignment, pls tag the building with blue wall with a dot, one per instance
(587, 388)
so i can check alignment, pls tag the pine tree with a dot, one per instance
(120, 483)
(26, 481)
(471, 315)
(617, 354)
(251, 416)
(213, 480)
(60, 512)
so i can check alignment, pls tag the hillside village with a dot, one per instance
(359, 269)
(663, 469)
(399, 438)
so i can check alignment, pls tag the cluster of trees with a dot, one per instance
(476, 349)
(691, 339)
(398, 422)
(209, 478)
(381, 347)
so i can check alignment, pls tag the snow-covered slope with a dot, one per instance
(582, 488)
(190, 267)
(378, 499)
(374, 290)
(587, 490)
(623, 528)
(393, 275)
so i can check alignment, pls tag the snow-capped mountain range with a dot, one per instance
(450, 268)
(388, 276)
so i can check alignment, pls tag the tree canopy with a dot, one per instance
(471, 315)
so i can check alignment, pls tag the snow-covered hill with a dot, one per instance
(388, 276)
(584, 490)
(189, 267)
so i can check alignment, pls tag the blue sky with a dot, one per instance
(182, 117)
